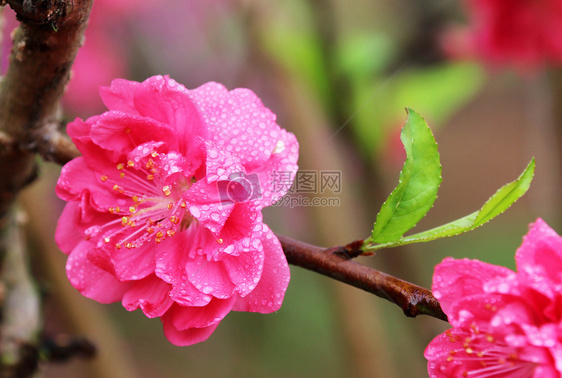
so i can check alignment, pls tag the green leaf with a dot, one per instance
(497, 204)
(418, 184)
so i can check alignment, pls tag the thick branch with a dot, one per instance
(414, 300)
(44, 48)
(21, 315)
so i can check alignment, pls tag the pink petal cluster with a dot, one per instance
(164, 206)
(524, 33)
(505, 323)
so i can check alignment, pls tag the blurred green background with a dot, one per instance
(338, 74)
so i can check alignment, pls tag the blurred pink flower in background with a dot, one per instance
(505, 324)
(523, 33)
(103, 55)
(164, 206)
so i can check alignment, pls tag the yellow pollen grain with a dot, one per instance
(150, 230)
(130, 164)
(174, 219)
(450, 358)
(129, 246)
(150, 222)
(149, 164)
(490, 338)
(157, 241)
(115, 187)
(183, 205)
(469, 350)
(106, 240)
(159, 234)
(171, 205)
(219, 240)
(124, 221)
(170, 233)
(135, 198)
(103, 178)
(120, 166)
(122, 174)
(150, 177)
(154, 154)
(117, 246)
(166, 190)
(133, 209)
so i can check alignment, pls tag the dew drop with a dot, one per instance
(207, 290)
(195, 211)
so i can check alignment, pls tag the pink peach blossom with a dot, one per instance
(505, 323)
(164, 206)
(524, 33)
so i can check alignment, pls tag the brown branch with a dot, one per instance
(44, 48)
(414, 300)
(20, 307)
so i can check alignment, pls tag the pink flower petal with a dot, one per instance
(76, 178)
(239, 121)
(206, 204)
(190, 325)
(134, 263)
(539, 259)
(268, 295)
(210, 277)
(171, 264)
(116, 131)
(120, 96)
(90, 280)
(243, 261)
(169, 102)
(454, 279)
(242, 221)
(183, 318)
(150, 294)
(67, 241)
(186, 337)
